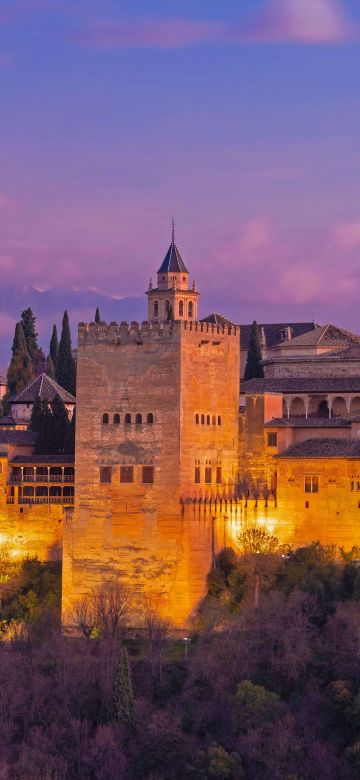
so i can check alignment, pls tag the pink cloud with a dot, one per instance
(303, 21)
(347, 235)
(160, 33)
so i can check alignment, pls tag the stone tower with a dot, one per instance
(172, 292)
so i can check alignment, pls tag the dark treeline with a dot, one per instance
(269, 687)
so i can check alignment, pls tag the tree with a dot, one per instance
(97, 316)
(20, 371)
(122, 693)
(159, 632)
(50, 368)
(69, 447)
(28, 322)
(66, 369)
(171, 313)
(253, 368)
(41, 425)
(60, 425)
(54, 348)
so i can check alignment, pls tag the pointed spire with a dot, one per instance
(150, 283)
(172, 230)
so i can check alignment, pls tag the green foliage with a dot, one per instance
(20, 371)
(216, 763)
(33, 589)
(51, 426)
(97, 316)
(69, 442)
(54, 348)
(253, 368)
(254, 705)
(66, 368)
(28, 322)
(122, 694)
(257, 541)
(50, 368)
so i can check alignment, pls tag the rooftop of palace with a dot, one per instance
(309, 422)
(323, 448)
(345, 384)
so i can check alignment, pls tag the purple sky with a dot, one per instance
(240, 118)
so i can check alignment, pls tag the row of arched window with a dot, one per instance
(128, 419)
(190, 313)
(207, 419)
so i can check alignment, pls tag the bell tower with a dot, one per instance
(172, 298)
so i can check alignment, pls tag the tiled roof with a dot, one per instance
(173, 262)
(18, 438)
(44, 387)
(273, 330)
(324, 335)
(323, 448)
(218, 319)
(310, 422)
(346, 384)
(43, 460)
(7, 420)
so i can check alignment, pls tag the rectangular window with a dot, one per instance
(357, 485)
(197, 475)
(352, 485)
(147, 475)
(218, 475)
(311, 484)
(105, 475)
(272, 439)
(126, 473)
(208, 475)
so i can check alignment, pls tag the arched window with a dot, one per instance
(208, 419)
(214, 419)
(156, 309)
(167, 307)
(190, 310)
(138, 419)
(116, 419)
(150, 418)
(219, 420)
(202, 419)
(127, 420)
(181, 308)
(197, 419)
(105, 418)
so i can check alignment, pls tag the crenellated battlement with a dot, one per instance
(136, 332)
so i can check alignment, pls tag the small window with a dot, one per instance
(138, 419)
(208, 475)
(148, 475)
(311, 484)
(116, 419)
(184, 278)
(181, 308)
(218, 475)
(352, 485)
(105, 475)
(306, 505)
(150, 418)
(197, 475)
(214, 419)
(190, 311)
(127, 420)
(202, 419)
(272, 439)
(126, 473)
(357, 485)
(207, 419)
(105, 419)
(219, 420)
(197, 419)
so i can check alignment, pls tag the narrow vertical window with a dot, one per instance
(105, 419)
(127, 474)
(181, 308)
(218, 475)
(138, 419)
(105, 475)
(116, 419)
(127, 420)
(148, 475)
(150, 418)
(156, 309)
(208, 475)
(219, 420)
(197, 419)
(202, 419)
(190, 311)
(197, 475)
(208, 419)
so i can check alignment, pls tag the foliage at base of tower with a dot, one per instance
(253, 368)
(20, 371)
(122, 694)
(51, 425)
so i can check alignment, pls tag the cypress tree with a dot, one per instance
(254, 369)
(41, 423)
(20, 371)
(28, 322)
(69, 447)
(66, 369)
(50, 368)
(97, 316)
(59, 425)
(122, 693)
(54, 348)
